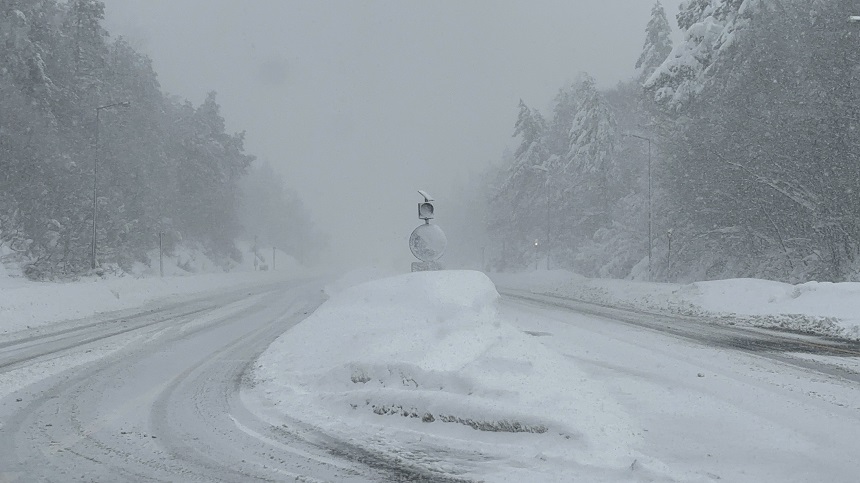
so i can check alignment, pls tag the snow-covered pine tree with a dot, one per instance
(658, 44)
(208, 173)
(710, 30)
(532, 151)
(764, 170)
(83, 26)
(590, 154)
(520, 198)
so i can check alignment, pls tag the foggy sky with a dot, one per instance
(361, 103)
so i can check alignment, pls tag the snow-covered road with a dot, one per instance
(154, 394)
(714, 401)
(421, 377)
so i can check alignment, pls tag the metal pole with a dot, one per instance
(483, 258)
(504, 255)
(547, 220)
(95, 192)
(669, 254)
(95, 174)
(650, 243)
(161, 253)
(650, 217)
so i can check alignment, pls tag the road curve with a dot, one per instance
(772, 344)
(167, 405)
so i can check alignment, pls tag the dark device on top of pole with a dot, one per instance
(427, 242)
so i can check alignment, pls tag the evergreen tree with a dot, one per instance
(518, 200)
(163, 165)
(592, 147)
(212, 164)
(710, 29)
(658, 44)
(765, 168)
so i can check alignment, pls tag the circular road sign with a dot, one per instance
(428, 242)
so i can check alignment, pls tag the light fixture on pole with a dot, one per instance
(99, 109)
(650, 243)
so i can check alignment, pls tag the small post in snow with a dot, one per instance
(161, 254)
(483, 258)
(669, 253)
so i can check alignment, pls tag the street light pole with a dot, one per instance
(95, 174)
(548, 217)
(547, 221)
(650, 243)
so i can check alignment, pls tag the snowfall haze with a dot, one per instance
(642, 262)
(359, 104)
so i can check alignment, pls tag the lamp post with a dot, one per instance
(669, 253)
(96, 171)
(650, 244)
(546, 172)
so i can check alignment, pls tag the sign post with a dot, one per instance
(427, 242)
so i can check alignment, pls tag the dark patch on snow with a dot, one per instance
(535, 333)
(502, 426)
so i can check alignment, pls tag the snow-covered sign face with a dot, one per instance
(428, 243)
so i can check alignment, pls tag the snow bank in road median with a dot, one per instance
(824, 308)
(426, 356)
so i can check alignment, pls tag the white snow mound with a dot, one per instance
(427, 354)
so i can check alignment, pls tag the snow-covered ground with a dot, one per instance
(433, 370)
(426, 358)
(28, 305)
(30, 308)
(823, 308)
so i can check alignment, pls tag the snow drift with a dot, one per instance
(424, 356)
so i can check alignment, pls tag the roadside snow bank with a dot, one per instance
(831, 309)
(27, 305)
(421, 361)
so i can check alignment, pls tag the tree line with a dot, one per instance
(753, 170)
(87, 137)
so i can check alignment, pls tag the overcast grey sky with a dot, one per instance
(359, 103)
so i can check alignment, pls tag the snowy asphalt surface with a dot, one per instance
(164, 401)
(769, 343)
(714, 401)
(165, 404)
